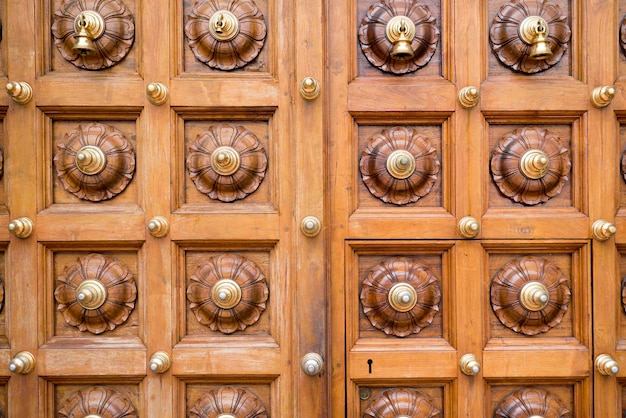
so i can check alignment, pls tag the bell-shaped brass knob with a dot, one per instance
(468, 97)
(310, 226)
(606, 365)
(400, 31)
(602, 96)
(468, 227)
(223, 25)
(158, 226)
(160, 362)
(22, 363)
(312, 364)
(21, 227)
(157, 93)
(469, 365)
(310, 88)
(20, 91)
(534, 296)
(88, 26)
(226, 293)
(534, 31)
(603, 230)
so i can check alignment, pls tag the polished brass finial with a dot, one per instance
(88, 26)
(400, 31)
(534, 31)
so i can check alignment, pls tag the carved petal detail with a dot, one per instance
(228, 400)
(226, 54)
(506, 288)
(401, 402)
(245, 180)
(120, 286)
(622, 37)
(377, 47)
(249, 278)
(381, 183)
(623, 165)
(1, 157)
(506, 172)
(512, 51)
(624, 296)
(1, 293)
(530, 402)
(97, 401)
(111, 47)
(119, 155)
(375, 296)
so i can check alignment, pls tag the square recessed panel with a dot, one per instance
(97, 398)
(245, 399)
(403, 401)
(538, 399)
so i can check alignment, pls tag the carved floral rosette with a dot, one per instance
(531, 402)
(227, 54)
(97, 401)
(252, 163)
(506, 291)
(512, 51)
(375, 291)
(380, 182)
(115, 175)
(401, 402)
(230, 401)
(111, 47)
(249, 278)
(377, 47)
(509, 177)
(121, 293)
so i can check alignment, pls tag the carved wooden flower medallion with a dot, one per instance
(228, 401)
(531, 402)
(96, 293)
(97, 401)
(227, 293)
(518, 52)
(227, 163)
(95, 162)
(112, 38)
(401, 402)
(225, 34)
(530, 295)
(398, 36)
(399, 166)
(530, 165)
(400, 296)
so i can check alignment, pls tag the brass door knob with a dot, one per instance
(226, 293)
(468, 227)
(469, 365)
(160, 362)
(22, 363)
(603, 230)
(534, 296)
(606, 365)
(20, 91)
(91, 294)
(311, 226)
(312, 364)
(468, 97)
(158, 227)
(602, 96)
(402, 297)
(157, 93)
(21, 227)
(310, 88)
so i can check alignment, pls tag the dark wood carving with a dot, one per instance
(97, 401)
(379, 309)
(116, 172)
(378, 48)
(510, 178)
(110, 48)
(228, 400)
(226, 54)
(1, 161)
(253, 293)
(623, 165)
(206, 176)
(622, 35)
(401, 402)
(506, 290)
(121, 293)
(624, 294)
(531, 402)
(379, 180)
(1, 293)
(512, 51)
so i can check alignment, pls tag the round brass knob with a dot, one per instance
(468, 227)
(401, 164)
(20, 91)
(93, 416)
(469, 365)
(468, 97)
(21, 227)
(157, 93)
(602, 96)
(22, 363)
(312, 364)
(226, 416)
(534, 164)
(603, 230)
(534, 296)
(402, 297)
(160, 362)
(91, 160)
(226, 293)
(606, 365)
(158, 226)
(91, 294)
(225, 161)
(310, 226)
(224, 25)
(400, 31)
(310, 88)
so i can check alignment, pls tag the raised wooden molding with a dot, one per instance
(401, 402)
(97, 401)
(531, 402)
(228, 401)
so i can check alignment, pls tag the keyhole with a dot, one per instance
(369, 364)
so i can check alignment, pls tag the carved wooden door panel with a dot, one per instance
(157, 264)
